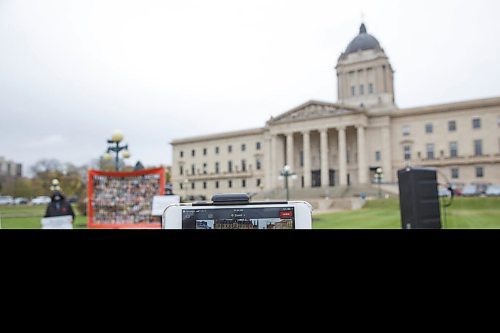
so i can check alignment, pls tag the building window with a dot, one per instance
(455, 173)
(230, 166)
(181, 170)
(230, 184)
(453, 149)
(378, 156)
(353, 91)
(243, 183)
(180, 185)
(429, 128)
(193, 186)
(243, 147)
(258, 146)
(204, 151)
(406, 131)
(362, 89)
(217, 168)
(193, 167)
(258, 165)
(478, 147)
(430, 151)
(476, 123)
(452, 126)
(370, 88)
(193, 153)
(204, 185)
(479, 172)
(258, 182)
(407, 153)
(217, 184)
(243, 165)
(204, 168)
(301, 159)
(182, 154)
(229, 149)
(217, 150)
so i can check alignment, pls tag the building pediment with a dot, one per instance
(314, 110)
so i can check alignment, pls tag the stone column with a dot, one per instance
(325, 169)
(340, 85)
(380, 80)
(362, 166)
(307, 159)
(289, 151)
(274, 162)
(342, 156)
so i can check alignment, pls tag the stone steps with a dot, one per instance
(321, 193)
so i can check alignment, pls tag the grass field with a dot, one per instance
(466, 213)
(28, 217)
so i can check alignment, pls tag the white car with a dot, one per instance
(21, 201)
(470, 191)
(493, 191)
(444, 192)
(44, 200)
(6, 200)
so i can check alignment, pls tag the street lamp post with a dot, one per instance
(285, 174)
(379, 174)
(115, 147)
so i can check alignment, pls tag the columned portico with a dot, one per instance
(331, 141)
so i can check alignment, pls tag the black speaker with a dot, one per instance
(419, 199)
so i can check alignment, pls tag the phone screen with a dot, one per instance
(239, 218)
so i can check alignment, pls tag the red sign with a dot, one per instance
(123, 200)
(286, 214)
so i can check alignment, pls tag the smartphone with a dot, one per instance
(239, 216)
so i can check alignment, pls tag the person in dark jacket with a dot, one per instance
(59, 206)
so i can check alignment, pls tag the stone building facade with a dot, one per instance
(343, 143)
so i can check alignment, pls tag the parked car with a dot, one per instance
(482, 188)
(21, 201)
(493, 191)
(43, 200)
(444, 192)
(6, 200)
(470, 191)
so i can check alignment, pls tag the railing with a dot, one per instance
(446, 161)
(221, 175)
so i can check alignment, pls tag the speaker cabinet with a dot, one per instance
(419, 199)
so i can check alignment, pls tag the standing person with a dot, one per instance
(58, 206)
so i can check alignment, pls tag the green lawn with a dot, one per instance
(465, 213)
(28, 217)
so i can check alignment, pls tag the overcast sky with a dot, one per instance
(73, 71)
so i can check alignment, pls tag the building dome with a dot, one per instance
(364, 41)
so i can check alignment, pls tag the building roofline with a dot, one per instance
(225, 135)
(454, 106)
(314, 102)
